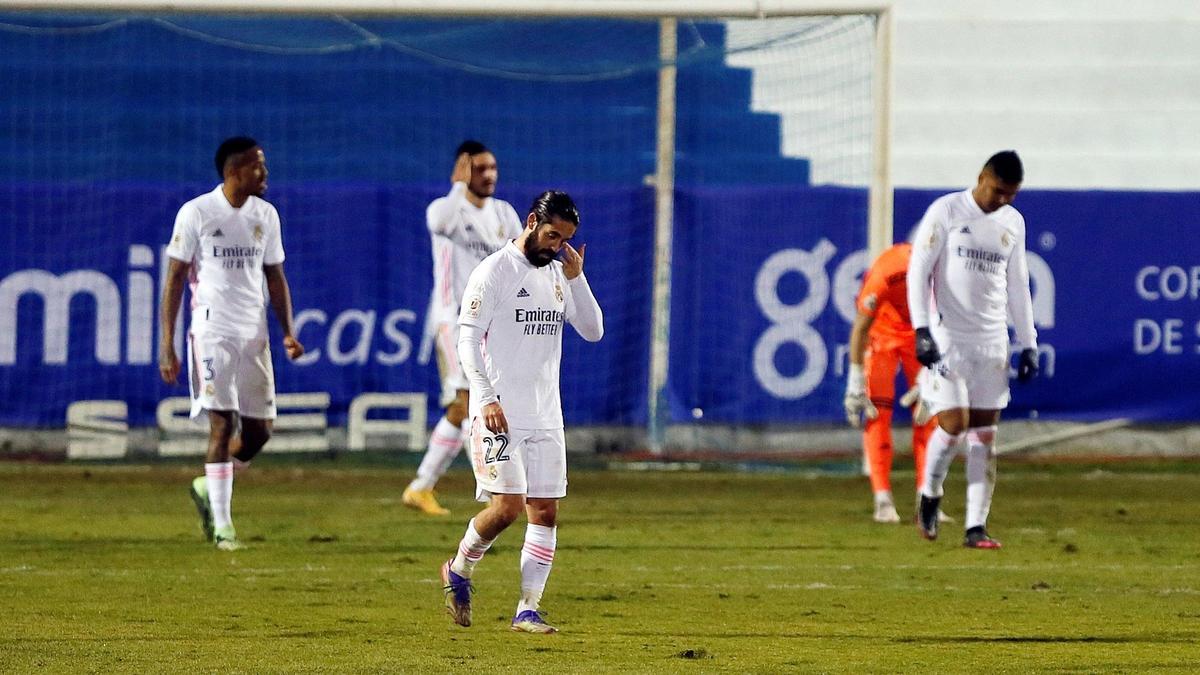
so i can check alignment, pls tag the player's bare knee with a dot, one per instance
(952, 427)
(255, 434)
(953, 422)
(220, 426)
(542, 512)
(507, 508)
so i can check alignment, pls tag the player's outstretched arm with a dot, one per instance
(281, 303)
(172, 298)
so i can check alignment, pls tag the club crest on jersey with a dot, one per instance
(558, 294)
(870, 302)
(1005, 240)
(258, 233)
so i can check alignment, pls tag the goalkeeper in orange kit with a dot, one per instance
(881, 340)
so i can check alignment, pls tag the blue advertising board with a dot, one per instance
(763, 287)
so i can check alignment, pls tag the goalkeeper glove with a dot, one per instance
(921, 413)
(1027, 365)
(856, 402)
(927, 350)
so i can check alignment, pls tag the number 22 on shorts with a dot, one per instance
(494, 447)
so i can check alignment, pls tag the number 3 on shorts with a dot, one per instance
(494, 447)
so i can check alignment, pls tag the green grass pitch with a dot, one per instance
(102, 570)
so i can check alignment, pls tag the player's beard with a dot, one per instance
(486, 190)
(539, 257)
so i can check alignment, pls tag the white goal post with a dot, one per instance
(667, 12)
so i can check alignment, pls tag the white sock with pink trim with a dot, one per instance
(219, 478)
(537, 555)
(981, 474)
(470, 550)
(939, 453)
(444, 444)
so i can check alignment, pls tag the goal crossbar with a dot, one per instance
(528, 8)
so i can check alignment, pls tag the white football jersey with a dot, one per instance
(522, 308)
(462, 236)
(227, 249)
(969, 269)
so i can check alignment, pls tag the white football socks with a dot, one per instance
(939, 453)
(470, 550)
(537, 556)
(219, 478)
(981, 474)
(444, 444)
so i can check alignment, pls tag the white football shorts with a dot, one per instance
(227, 373)
(449, 367)
(530, 462)
(967, 376)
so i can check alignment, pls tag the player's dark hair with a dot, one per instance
(230, 147)
(555, 203)
(472, 148)
(1007, 166)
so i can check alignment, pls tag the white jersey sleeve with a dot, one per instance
(186, 236)
(470, 355)
(479, 299)
(273, 244)
(475, 317)
(928, 245)
(582, 311)
(1020, 302)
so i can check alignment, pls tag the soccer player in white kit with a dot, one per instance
(224, 244)
(465, 226)
(510, 344)
(967, 274)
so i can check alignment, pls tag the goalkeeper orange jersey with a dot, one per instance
(884, 295)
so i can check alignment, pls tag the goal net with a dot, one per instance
(111, 120)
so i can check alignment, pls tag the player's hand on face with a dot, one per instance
(462, 169)
(168, 365)
(572, 260)
(293, 347)
(494, 420)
